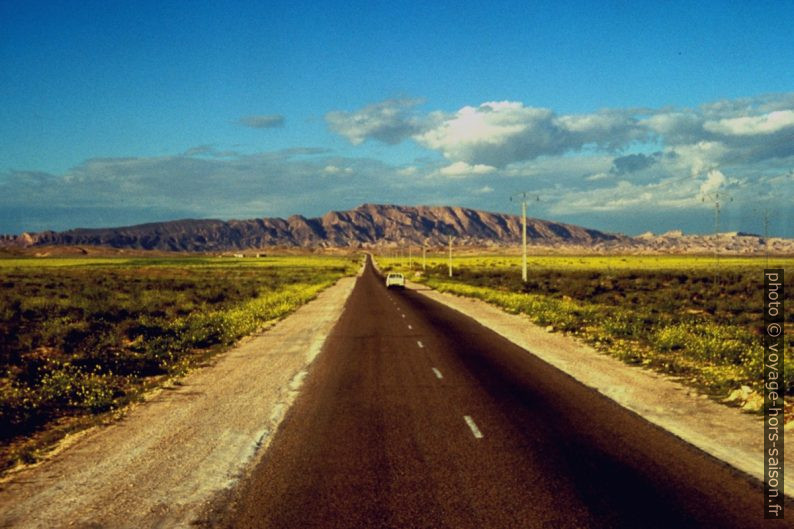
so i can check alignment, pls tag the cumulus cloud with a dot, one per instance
(629, 197)
(607, 129)
(714, 181)
(696, 158)
(613, 163)
(268, 121)
(752, 125)
(675, 127)
(743, 131)
(495, 133)
(503, 132)
(389, 121)
(458, 169)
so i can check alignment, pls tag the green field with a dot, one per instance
(684, 316)
(82, 337)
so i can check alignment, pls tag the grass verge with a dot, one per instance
(82, 339)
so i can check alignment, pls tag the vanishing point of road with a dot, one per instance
(415, 416)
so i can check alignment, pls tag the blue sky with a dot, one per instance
(622, 116)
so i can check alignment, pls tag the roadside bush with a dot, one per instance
(704, 341)
(621, 325)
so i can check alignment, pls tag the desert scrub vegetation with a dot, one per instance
(672, 314)
(84, 337)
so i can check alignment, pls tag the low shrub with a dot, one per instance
(85, 337)
(667, 313)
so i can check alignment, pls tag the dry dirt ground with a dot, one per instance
(726, 433)
(166, 459)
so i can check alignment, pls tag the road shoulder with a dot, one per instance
(166, 459)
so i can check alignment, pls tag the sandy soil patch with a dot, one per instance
(165, 460)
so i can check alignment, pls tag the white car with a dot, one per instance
(395, 280)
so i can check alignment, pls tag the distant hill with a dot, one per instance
(365, 226)
(372, 225)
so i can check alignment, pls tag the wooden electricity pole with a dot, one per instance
(524, 197)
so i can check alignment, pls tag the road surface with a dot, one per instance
(417, 416)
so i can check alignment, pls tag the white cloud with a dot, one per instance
(557, 167)
(675, 127)
(696, 158)
(389, 121)
(608, 129)
(752, 125)
(333, 169)
(464, 169)
(714, 181)
(491, 124)
(504, 132)
(636, 162)
(598, 176)
(408, 171)
(629, 197)
(122, 191)
(496, 134)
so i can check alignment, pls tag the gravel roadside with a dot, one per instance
(167, 458)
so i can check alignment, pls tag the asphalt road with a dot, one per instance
(417, 416)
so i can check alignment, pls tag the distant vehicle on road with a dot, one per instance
(395, 280)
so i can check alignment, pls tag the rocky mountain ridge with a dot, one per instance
(365, 226)
(377, 225)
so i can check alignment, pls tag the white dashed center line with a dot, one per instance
(403, 315)
(420, 344)
(409, 327)
(438, 373)
(474, 430)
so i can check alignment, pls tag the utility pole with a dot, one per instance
(766, 235)
(450, 256)
(716, 198)
(410, 257)
(424, 255)
(524, 199)
(766, 213)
